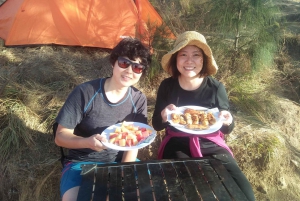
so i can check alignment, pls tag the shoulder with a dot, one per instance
(168, 82)
(90, 86)
(212, 81)
(136, 93)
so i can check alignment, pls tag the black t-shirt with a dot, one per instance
(88, 111)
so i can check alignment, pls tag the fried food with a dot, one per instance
(182, 120)
(197, 126)
(175, 118)
(211, 118)
(204, 119)
(191, 111)
(188, 118)
(194, 119)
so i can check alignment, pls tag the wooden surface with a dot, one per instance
(192, 179)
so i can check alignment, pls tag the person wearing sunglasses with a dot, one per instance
(95, 105)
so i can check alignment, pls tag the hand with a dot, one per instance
(224, 114)
(164, 112)
(95, 142)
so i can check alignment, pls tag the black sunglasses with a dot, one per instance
(125, 63)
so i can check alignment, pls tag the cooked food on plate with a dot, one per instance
(194, 119)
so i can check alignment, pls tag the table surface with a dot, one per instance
(176, 180)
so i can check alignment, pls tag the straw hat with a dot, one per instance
(191, 38)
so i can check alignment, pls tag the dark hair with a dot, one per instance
(133, 49)
(172, 65)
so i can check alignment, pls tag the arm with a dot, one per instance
(223, 102)
(159, 115)
(66, 138)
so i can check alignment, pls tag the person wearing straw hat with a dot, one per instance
(191, 65)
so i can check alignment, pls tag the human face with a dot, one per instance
(126, 76)
(189, 61)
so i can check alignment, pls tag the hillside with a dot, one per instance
(34, 82)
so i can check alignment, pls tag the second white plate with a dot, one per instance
(213, 128)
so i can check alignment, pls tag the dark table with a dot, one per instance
(189, 179)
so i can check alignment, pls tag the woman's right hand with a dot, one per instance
(164, 112)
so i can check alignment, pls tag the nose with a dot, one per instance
(189, 59)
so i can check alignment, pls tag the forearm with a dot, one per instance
(66, 138)
(130, 156)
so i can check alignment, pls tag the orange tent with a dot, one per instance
(93, 23)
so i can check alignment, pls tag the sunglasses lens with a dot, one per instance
(123, 63)
(137, 68)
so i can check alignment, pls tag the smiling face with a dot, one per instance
(125, 77)
(190, 61)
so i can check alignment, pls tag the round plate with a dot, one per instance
(141, 144)
(211, 129)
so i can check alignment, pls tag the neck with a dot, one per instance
(190, 83)
(114, 93)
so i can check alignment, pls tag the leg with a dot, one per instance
(232, 167)
(71, 194)
(70, 182)
(177, 147)
(71, 179)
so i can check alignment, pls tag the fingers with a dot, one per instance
(101, 138)
(171, 107)
(226, 115)
(164, 112)
(97, 140)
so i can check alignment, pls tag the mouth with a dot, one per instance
(126, 77)
(189, 68)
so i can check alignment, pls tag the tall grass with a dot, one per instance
(14, 132)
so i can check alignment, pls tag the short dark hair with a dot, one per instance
(172, 66)
(133, 49)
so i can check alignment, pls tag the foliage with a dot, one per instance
(246, 27)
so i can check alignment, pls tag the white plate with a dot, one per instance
(141, 144)
(211, 129)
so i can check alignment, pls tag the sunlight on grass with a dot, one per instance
(14, 131)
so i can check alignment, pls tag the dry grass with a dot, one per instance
(32, 96)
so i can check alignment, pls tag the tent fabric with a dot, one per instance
(93, 23)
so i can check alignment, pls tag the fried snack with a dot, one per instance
(188, 118)
(175, 118)
(204, 119)
(211, 118)
(195, 119)
(196, 126)
(182, 120)
(191, 111)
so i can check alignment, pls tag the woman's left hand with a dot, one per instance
(226, 117)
